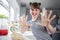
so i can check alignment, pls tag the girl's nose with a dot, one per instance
(34, 11)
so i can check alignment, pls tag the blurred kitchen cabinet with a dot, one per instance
(22, 10)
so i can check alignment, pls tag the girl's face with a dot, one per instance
(34, 12)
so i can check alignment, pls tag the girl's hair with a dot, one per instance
(35, 5)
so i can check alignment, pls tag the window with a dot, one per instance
(4, 11)
(12, 14)
(5, 2)
(3, 21)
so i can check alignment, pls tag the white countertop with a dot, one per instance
(28, 35)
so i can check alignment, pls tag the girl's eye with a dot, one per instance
(36, 9)
(32, 9)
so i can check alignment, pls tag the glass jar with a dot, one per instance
(3, 26)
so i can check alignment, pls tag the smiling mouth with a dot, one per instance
(34, 14)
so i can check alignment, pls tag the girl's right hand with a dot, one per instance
(23, 21)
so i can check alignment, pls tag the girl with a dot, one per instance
(39, 23)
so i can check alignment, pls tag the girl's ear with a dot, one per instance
(30, 3)
(39, 4)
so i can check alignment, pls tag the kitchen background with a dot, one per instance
(11, 9)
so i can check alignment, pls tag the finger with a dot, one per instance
(23, 17)
(43, 18)
(50, 14)
(19, 17)
(26, 18)
(20, 20)
(44, 13)
(52, 17)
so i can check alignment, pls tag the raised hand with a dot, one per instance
(46, 20)
(23, 20)
(23, 23)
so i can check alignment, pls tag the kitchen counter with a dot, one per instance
(27, 36)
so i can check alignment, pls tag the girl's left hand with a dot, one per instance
(46, 20)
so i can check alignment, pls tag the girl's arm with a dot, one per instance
(51, 29)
